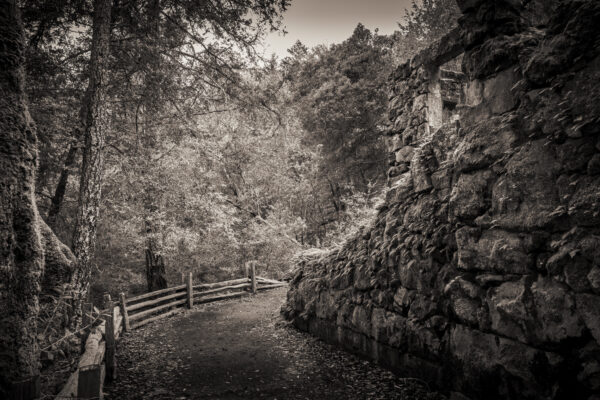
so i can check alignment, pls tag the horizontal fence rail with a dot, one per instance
(156, 292)
(98, 364)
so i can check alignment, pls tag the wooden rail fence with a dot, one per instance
(98, 362)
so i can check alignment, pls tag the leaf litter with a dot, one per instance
(243, 349)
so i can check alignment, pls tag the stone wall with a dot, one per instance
(481, 272)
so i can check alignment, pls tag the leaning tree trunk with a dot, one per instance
(95, 122)
(21, 252)
(61, 187)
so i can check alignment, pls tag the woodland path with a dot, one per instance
(242, 349)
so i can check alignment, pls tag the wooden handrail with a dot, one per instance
(143, 304)
(220, 284)
(156, 309)
(151, 294)
(222, 289)
(260, 278)
(221, 297)
(157, 317)
(272, 286)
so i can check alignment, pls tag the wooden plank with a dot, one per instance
(118, 317)
(260, 278)
(95, 350)
(156, 292)
(221, 297)
(253, 276)
(221, 284)
(157, 309)
(109, 337)
(190, 291)
(101, 353)
(90, 382)
(156, 317)
(118, 326)
(154, 301)
(272, 286)
(243, 285)
(91, 347)
(124, 312)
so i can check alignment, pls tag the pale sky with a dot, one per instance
(316, 22)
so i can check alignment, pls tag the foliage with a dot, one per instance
(225, 158)
(425, 22)
(340, 94)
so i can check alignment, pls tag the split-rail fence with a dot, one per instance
(98, 362)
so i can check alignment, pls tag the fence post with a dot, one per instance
(253, 276)
(247, 269)
(89, 384)
(124, 312)
(109, 336)
(190, 293)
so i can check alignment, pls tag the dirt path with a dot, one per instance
(242, 349)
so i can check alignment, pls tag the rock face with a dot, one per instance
(481, 272)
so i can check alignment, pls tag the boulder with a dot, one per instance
(556, 316)
(470, 195)
(509, 306)
(494, 251)
(405, 154)
(420, 171)
(526, 197)
(497, 91)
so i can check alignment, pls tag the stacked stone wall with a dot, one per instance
(481, 272)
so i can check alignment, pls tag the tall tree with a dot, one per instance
(21, 253)
(61, 186)
(94, 124)
(155, 257)
(31, 258)
(340, 93)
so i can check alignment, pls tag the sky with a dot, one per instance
(316, 22)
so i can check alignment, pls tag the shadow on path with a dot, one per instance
(242, 349)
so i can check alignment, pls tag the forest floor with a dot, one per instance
(243, 349)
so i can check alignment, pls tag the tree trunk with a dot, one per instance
(59, 263)
(21, 252)
(155, 264)
(61, 186)
(95, 122)
(155, 271)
